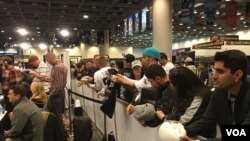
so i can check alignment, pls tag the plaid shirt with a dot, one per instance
(58, 77)
(10, 77)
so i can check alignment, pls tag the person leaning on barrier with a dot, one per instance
(151, 56)
(229, 104)
(158, 78)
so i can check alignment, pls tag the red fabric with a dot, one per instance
(231, 13)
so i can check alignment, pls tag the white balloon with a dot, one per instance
(171, 131)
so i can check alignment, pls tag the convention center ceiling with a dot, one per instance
(87, 19)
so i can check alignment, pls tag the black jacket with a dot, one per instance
(219, 111)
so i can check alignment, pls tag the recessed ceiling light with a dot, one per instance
(22, 31)
(85, 16)
(64, 33)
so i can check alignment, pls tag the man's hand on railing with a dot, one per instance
(101, 93)
(80, 84)
(130, 109)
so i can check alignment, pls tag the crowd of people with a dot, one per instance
(25, 100)
(195, 96)
(180, 93)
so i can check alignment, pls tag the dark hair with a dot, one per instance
(18, 89)
(119, 64)
(163, 56)
(234, 60)
(155, 70)
(185, 80)
(8, 60)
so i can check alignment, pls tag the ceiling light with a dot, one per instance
(217, 12)
(85, 16)
(22, 31)
(43, 46)
(2, 31)
(75, 28)
(64, 33)
(10, 38)
(25, 45)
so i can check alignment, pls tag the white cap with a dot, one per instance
(136, 63)
(171, 131)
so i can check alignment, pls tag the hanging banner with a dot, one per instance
(209, 45)
(210, 8)
(215, 38)
(248, 9)
(240, 42)
(231, 13)
(187, 12)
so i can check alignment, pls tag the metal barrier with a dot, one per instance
(123, 126)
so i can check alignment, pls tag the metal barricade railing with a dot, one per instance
(123, 126)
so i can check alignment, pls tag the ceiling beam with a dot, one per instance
(49, 13)
(77, 11)
(20, 10)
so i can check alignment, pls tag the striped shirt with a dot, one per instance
(43, 69)
(58, 77)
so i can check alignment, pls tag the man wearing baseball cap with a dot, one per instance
(151, 56)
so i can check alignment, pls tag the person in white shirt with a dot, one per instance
(190, 64)
(40, 71)
(151, 56)
(167, 65)
(100, 74)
